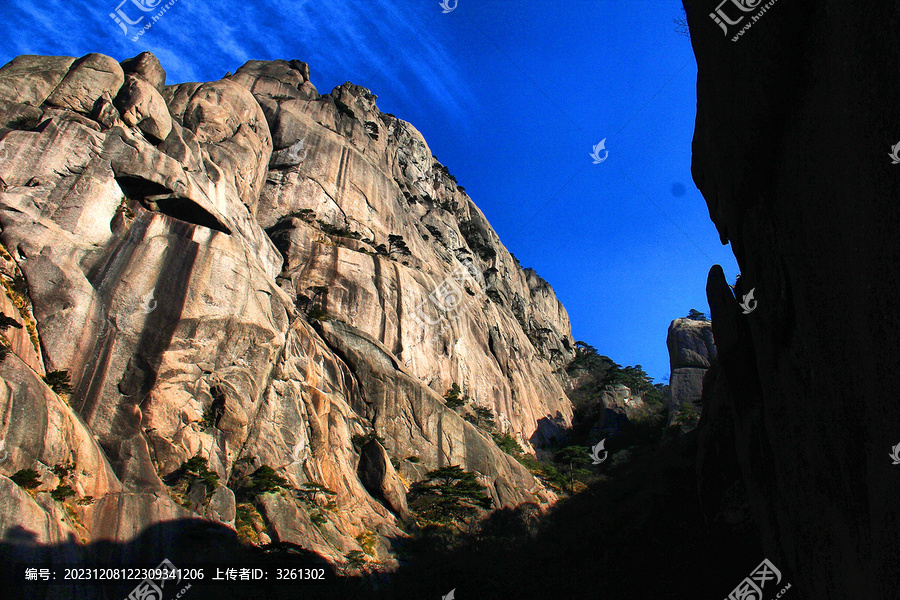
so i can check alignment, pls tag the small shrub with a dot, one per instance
(86, 501)
(265, 480)
(398, 245)
(58, 382)
(62, 471)
(413, 459)
(367, 541)
(483, 418)
(244, 517)
(19, 285)
(309, 491)
(62, 492)
(361, 440)
(454, 398)
(317, 313)
(507, 443)
(317, 517)
(26, 479)
(191, 470)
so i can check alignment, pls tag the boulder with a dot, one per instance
(87, 80)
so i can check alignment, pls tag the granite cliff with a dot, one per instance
(206, 280)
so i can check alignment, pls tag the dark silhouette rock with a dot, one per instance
(795, 121)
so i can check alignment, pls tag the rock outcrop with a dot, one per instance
(691, 351)
(251, 273)
(795, 123)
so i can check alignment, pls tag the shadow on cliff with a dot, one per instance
(637, 535)
(186, 543)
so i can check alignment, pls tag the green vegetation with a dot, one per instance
(58, 382)
(246, 520)
(317, 313)
(396, 244)
(361, 440)
(608, 372)
(686, 415)
(27, 479)
(448, 496)
(507, 443)
(264, 480)
(696, 315)
(19, 285)
(62, 471)
(317, 517)
(454, 397)
(482, 418)
(343, 232)
(309, 491)
(367, 541)
(62, 492)
(191, 470)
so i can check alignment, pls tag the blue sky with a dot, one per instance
(511, 97)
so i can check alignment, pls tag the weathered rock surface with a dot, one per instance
(691, 351)
(168, 241)
(805, 397)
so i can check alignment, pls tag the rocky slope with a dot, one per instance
(250, 272)
(795, 123)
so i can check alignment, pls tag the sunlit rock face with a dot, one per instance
(250, 272)
(691, 351)
(795, 126)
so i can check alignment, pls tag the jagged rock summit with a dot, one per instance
(252, 273)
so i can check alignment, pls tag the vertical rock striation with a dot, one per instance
(251, 273)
